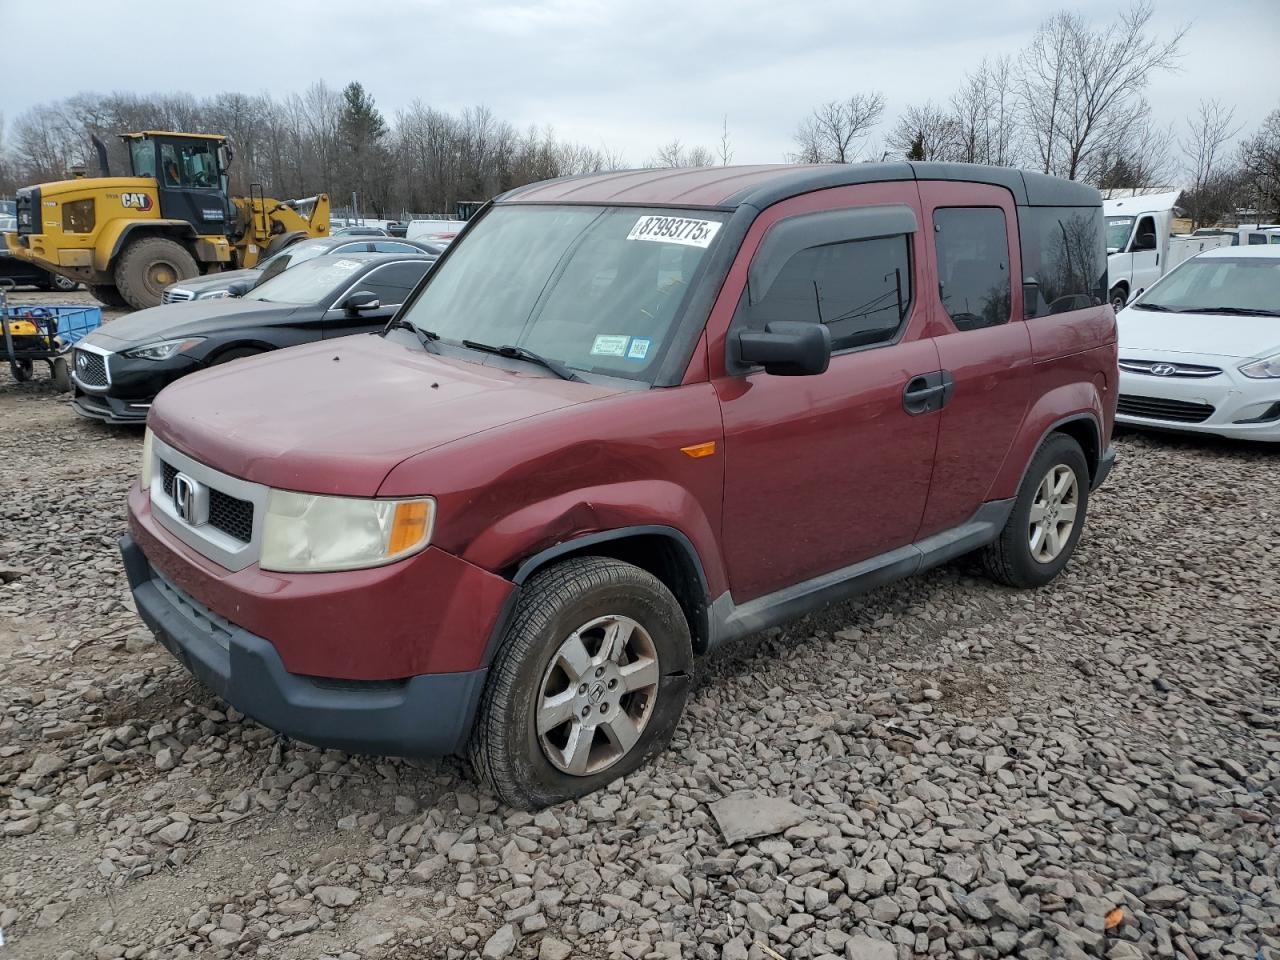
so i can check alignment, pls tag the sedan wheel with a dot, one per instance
(1053, 513)
(597, 695)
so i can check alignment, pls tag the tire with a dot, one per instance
(108, 296)
(1017, 558)
(64, 284)
(23, 370)
(149, 265)
(588, 598)
(1118, 296)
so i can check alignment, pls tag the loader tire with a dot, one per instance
(108, 296)
(147, 266)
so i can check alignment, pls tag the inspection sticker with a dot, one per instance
(610, 345)
(639, 348)
(690, 233)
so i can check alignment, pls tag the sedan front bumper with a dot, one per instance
(1228, 404)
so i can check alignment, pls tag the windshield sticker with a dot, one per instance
(610, 345)
(639, 348)
(690, 233)
(346, 264)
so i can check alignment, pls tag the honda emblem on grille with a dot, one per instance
(190, 499)
(1163, 369)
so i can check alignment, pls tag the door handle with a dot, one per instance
(927, 392)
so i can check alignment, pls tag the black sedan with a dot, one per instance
(214, 286)
(117, 370)
(22, 273)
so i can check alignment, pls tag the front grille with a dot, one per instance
(217, 628)
(1160, 368)
(91, 368)
(232, 516)
(1159, 408)
(176, 296)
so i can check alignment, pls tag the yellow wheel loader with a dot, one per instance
(127, 238)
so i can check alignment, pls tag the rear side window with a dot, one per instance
(973, 265)
(1064, 259)
(391, 284)
(1257, 239)
(860, 289)
(392, 246)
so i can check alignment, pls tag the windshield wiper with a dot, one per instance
(520, 353)
(1237, 311)
(1155, 306)
(425, 337)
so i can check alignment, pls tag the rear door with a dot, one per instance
(824, 471)
(983, 345)
(390, 283)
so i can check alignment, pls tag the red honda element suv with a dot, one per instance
(627, 418)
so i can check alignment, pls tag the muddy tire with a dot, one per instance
(149, 265)
(1047, 519)
(590, 678)
(108, 296)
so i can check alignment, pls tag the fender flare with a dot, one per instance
(1093, 458)
(164, 228)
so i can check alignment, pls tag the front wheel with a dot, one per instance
(108, 296)
(1119, 296)
(150, 264)
(590, 678)
(64, 284)
(1047, 519)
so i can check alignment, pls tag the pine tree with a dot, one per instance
(362, 129)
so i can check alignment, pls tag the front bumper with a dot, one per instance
(419, 716)
(106, 409)
(1234, 398)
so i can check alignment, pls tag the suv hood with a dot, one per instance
(336, 417)
(1209, 334)
(191, 319)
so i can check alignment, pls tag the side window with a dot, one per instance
(860, 289)
(391, 284)
(169, 165)
(1064, 259)
(1144, 238)
(973, 265)
(1257, 239)
(360, 247)
(391, 246)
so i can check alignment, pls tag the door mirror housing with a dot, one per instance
(1144, 241)
(787, 348)
(239, 288)
(361, 301)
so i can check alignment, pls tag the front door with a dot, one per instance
(827, 470)
(189, 185)
(390, 283)
(1145, 248)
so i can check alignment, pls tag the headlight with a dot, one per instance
(163, 349)
(303, 532)
(144, 471)
(212, 295)
(1263, 369)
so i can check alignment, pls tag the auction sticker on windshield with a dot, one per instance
(690, 233)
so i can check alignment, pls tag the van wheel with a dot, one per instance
(149, 265)
(1047, 519)
(590, 678)
(1119, 296)
(108, 296)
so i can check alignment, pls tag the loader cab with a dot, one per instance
(190, 171)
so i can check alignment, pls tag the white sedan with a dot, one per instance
(1200, 349)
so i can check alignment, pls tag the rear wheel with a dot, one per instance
(591, 677)
(64, 284)
(108, 295)
(149, 265)
(1119, 296)
(1047, 518)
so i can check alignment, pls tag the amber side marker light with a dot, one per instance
(699, 449)
(409, 526)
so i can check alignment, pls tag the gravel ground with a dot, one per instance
(1092, 769)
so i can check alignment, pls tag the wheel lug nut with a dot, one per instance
(583, 688)
(599, 671)
(586, 711)
(604, 708)
(612, 684)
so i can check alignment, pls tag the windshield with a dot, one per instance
(1118, 230)
(307, 283)
(596, 288)
(294, 255)
(1209, 284)
(143, 155)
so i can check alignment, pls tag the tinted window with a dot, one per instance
(973, 265)
(390, 246)
(361, 247)
(1256, 239)
(391, 284)
(1064, 261)
(1144, 238)
(189, 164)
(860, 289)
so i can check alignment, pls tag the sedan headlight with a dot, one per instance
(162, 349)
(1263, 369)
(144, 470)
(304, 532)
(213, 295)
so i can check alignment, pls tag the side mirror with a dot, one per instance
(360, 301)
(1146, 241)
(787, 348)
(238, 289)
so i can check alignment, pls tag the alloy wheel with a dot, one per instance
(1053, 513)
(597, 695)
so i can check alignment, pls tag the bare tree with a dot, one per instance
(725, 151)
(676, 154)
(1081, 88)
(925, 132)
(837, 130)
(985, 114)
(1141, 159)
(1260, 167)
(1204, 148)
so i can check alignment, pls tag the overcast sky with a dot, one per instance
(624, 75)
